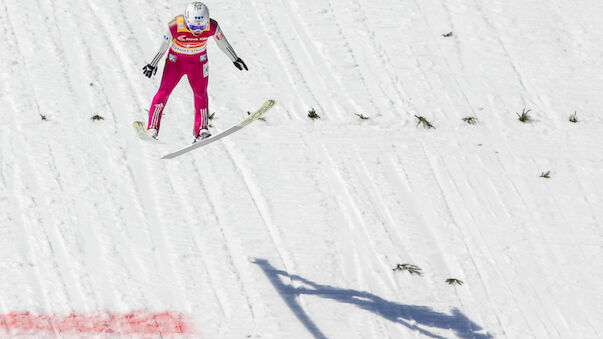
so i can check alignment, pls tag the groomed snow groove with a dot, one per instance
(290, 228)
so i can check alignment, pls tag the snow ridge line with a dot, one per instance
(381, 55)
(271, 78)
(349, 47)
(115, 46)
(262, 207)
(469, 107)
(296, 72)
(315, 68)
(512, 62)
(194, 236)
(354, 210)
(29, 205)
(455, 223)
(232, 266)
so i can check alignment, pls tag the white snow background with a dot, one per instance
(291, 227)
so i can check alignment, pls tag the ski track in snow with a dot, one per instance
(291, 227)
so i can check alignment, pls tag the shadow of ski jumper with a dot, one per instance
(407, 315)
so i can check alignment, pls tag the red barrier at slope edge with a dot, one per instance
(138, 322)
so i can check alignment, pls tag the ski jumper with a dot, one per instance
(187, 55)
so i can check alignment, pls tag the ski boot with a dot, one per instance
(203, 134)
(153, 133)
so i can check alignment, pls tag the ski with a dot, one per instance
(251, 118)
(141, 131)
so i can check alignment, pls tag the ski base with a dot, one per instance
(251, 118)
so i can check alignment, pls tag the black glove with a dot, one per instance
(149, 70)
(239, 63)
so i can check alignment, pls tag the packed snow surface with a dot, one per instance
(291, 228)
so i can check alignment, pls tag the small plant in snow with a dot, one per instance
(422, 121)
(43, 117)
(546, 175)
(524, 116)
(97, 117)
(452, 281)
(262, 118)
(574, 117)
(362, 117)
(470, 120)
(412, 269)
(447, 35)
(312, 114)
(211, 116)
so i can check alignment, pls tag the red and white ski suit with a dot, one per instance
(187, 55)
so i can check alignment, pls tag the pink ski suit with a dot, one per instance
(187, 55)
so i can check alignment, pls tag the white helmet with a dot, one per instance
(196, 17)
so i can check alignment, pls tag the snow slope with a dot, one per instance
(291, 227)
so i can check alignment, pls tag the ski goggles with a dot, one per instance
(197, 28)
